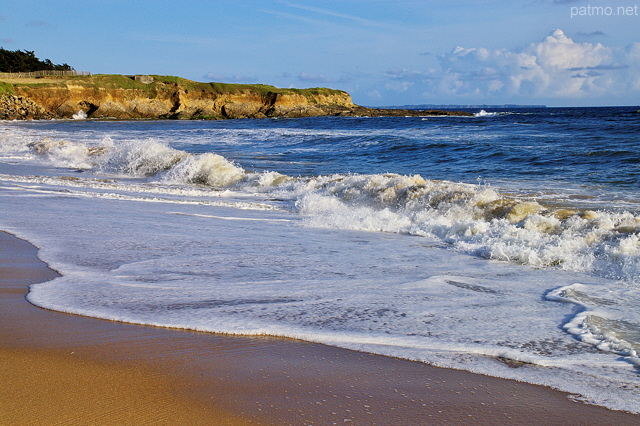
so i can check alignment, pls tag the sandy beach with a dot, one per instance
(64, 368)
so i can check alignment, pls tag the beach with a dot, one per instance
(66, 368)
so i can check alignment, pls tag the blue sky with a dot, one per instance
(382, 52)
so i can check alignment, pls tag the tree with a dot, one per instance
(26, 61)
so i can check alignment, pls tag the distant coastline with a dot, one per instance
(461, 106)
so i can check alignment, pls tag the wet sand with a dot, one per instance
(56, 367)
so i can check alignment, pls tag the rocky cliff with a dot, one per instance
(154, 97)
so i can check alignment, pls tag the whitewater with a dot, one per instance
(507, 243)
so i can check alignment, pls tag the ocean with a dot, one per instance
(507, 243)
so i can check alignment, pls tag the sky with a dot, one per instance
(383, 52)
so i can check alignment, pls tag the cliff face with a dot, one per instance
(126, 98)
(153, 97)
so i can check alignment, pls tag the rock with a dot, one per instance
(21, 108)
(241, 110)
(144, 79)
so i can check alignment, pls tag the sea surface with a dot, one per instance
(507, 243)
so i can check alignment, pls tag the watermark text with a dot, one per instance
(577, 11)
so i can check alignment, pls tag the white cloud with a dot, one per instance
(316, 78)
(375, 94)
(406, 74)
(235, 78)
(555, 68)
(333, 14)
(403, 80)
(320, 78)
(558, 53)
(592, 34)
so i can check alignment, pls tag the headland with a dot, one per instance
(167, 97)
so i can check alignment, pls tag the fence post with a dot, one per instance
(44, 73)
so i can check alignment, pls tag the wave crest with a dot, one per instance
(137, 158)
(478, 220)
(474, 219)
(63, 153)
(205, 169)
(483, 113)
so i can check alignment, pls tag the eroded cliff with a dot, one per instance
(108, 96)
(154, 97)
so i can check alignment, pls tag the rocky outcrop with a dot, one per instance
(21, 108)
(360, 111)
(156, 97)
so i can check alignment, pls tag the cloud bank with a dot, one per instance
(233, 78)
(556, 68)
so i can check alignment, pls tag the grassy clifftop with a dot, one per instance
(124, 82)
(155, 96)
(121, 96)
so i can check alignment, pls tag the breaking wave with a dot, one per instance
(80, 115)
(474, 219)
(132, 158)
(483, 113)
(205, 169)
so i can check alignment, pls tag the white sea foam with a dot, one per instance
(137, 158)
(474, 219)
(152, 234)
(14, 144)
(205, 169)
(610, 323)
(483, 113)
(80, 115)
(63, 153)
(212, 268)
(479, 221)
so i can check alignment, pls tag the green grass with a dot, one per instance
(115, 81)
(7, 89)
(207, 117)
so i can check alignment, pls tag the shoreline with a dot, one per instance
(62, 367)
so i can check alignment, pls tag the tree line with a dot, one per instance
(27, 61)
